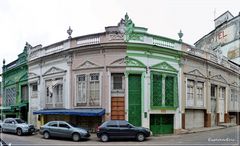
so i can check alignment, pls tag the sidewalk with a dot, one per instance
(195, 130)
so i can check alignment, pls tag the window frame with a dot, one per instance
(122, 82)
(175, 89)
(93, 78)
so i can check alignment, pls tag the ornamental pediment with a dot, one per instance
(219, 78)
(87, 64)
(23, 77)
(32, 75)
(196, 72)
(53, 70)
(127, 61)
(234, 83)
(164, 66)
(9, 82)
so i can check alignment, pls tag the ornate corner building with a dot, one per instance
(126, 73)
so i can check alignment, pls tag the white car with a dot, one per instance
(16, 125)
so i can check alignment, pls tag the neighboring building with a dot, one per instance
(15, 87)
(49, 82)
(1, 98)
(207, 88)
(224, 39)
(222, 45)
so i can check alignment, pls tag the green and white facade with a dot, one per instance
(153, 80)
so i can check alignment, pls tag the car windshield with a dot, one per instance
(19, 121)
(73, 125)
(131, 125)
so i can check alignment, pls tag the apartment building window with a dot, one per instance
(190, 93)
(34, 89)
(118, 81)
(82, 90)
(88, 90)
(157, 90)
(163, 90)
(59, 93)
(10, 96)
(24, 92)
(233, 99)
(195, 94)
(49, 92)
(222, 92)
(54, 91)
(200, 101)
(169, 91)
(94, 89)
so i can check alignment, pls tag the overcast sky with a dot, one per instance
(46, 21)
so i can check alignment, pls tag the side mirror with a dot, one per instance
(13, 122)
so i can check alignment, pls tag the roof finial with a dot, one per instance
(126, 17)
(69, 31)
(180, 35)
(4, 61)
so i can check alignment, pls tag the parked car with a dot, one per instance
(16, 125)
(63, 129)
(121, 129)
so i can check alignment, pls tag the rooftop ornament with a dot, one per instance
(69, 31)
(180, 35)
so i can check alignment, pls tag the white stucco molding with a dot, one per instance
(54, 70)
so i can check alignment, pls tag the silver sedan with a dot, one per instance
(63, 129)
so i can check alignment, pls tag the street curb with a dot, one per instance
(204, 130)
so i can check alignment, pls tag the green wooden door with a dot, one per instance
(134, 99)
(161, 123)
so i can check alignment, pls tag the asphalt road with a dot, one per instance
(227, 136)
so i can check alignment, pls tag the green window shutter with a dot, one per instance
(157, 90)
(169, 91)
(175, 92)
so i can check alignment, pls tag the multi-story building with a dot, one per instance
(224, 39)
(223, 46)
(15, 87)
(206, 89)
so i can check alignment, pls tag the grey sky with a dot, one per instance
(46, 21)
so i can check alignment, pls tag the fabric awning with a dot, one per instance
(77, 112)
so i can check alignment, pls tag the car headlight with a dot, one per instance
(148, 130)
(25, 127)
(83, 131)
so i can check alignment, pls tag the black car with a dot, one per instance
(121, 129)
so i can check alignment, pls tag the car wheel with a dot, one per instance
(104, 138)
(76, 137)
(19, 132)
(140, 137)
(46, 135)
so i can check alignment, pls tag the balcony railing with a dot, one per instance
(88, 41)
